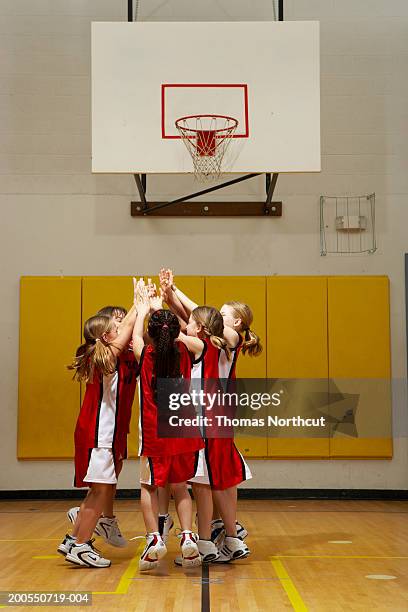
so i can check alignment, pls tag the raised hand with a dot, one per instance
(156, 302)
(142, 302)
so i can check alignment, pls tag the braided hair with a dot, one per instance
(163, 328)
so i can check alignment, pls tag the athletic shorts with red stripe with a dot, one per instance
(168, 469)
(221, 465)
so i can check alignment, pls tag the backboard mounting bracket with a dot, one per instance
(182, 207)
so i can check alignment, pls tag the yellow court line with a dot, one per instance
(290, 589)
(128, 575)
(334, 557)
(34, 540)
(46, 557)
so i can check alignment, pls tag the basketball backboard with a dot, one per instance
(145, 75)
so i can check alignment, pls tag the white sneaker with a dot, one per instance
(217, 533)
(108, 529)
(155, 549)
(241, 531)
(86, 555)
(190, 555)
(233, 549)
(72, 514)
(166, 523)
(208, 551)
(66, 544)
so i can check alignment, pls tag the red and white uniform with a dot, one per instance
(103, 421)
(220, 464)
(163, 460)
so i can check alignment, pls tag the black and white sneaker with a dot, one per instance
(166, 523)
(217, 533)
(232, 550)
(208, 551)
(241, 531)
(72, 514)
(66, 544)
(86, 555)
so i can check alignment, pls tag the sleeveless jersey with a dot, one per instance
(150, 444)
(105, 413)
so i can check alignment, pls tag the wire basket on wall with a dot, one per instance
(347, 225)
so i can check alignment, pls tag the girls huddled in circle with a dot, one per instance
(186, 341)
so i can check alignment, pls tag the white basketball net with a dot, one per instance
(207, 137)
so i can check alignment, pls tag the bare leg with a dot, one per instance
(91, 510)
(108, 507)
(150, 507)
(216, 513)
(78, 519)
(184, 505)
(227, 503)
(164, 499)
(203, 497)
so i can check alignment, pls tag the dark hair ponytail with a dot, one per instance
(163, 329)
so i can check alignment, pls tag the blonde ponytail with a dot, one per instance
(252, 343)
(220, 343)
(94, 353)
(213, 326)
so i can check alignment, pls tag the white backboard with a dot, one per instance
(147, 74)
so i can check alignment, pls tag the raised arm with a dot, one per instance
(194, 344)
(142, 306)
(172, 301)
(125, 329)
(179, 297)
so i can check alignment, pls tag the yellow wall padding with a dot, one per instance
(297, 349)
(321, 331)
(251, 291)
(50, 331)
(359, 365)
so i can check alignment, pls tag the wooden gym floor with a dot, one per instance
(306, 555)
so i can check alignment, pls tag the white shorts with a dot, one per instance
(101, 467)
(201, 475)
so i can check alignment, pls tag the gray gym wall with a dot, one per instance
(57, 218)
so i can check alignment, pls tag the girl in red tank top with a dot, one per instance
(101, 430)
(162, 460)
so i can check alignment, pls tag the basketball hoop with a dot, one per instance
(207, 137)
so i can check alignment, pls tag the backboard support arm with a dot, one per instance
(222, 209)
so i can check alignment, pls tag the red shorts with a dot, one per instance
(168, 469)
(221, 465)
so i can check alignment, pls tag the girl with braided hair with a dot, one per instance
(163, 461)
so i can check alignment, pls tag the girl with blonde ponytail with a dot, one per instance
(238, 316)
(221, 466)
(100, 433)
